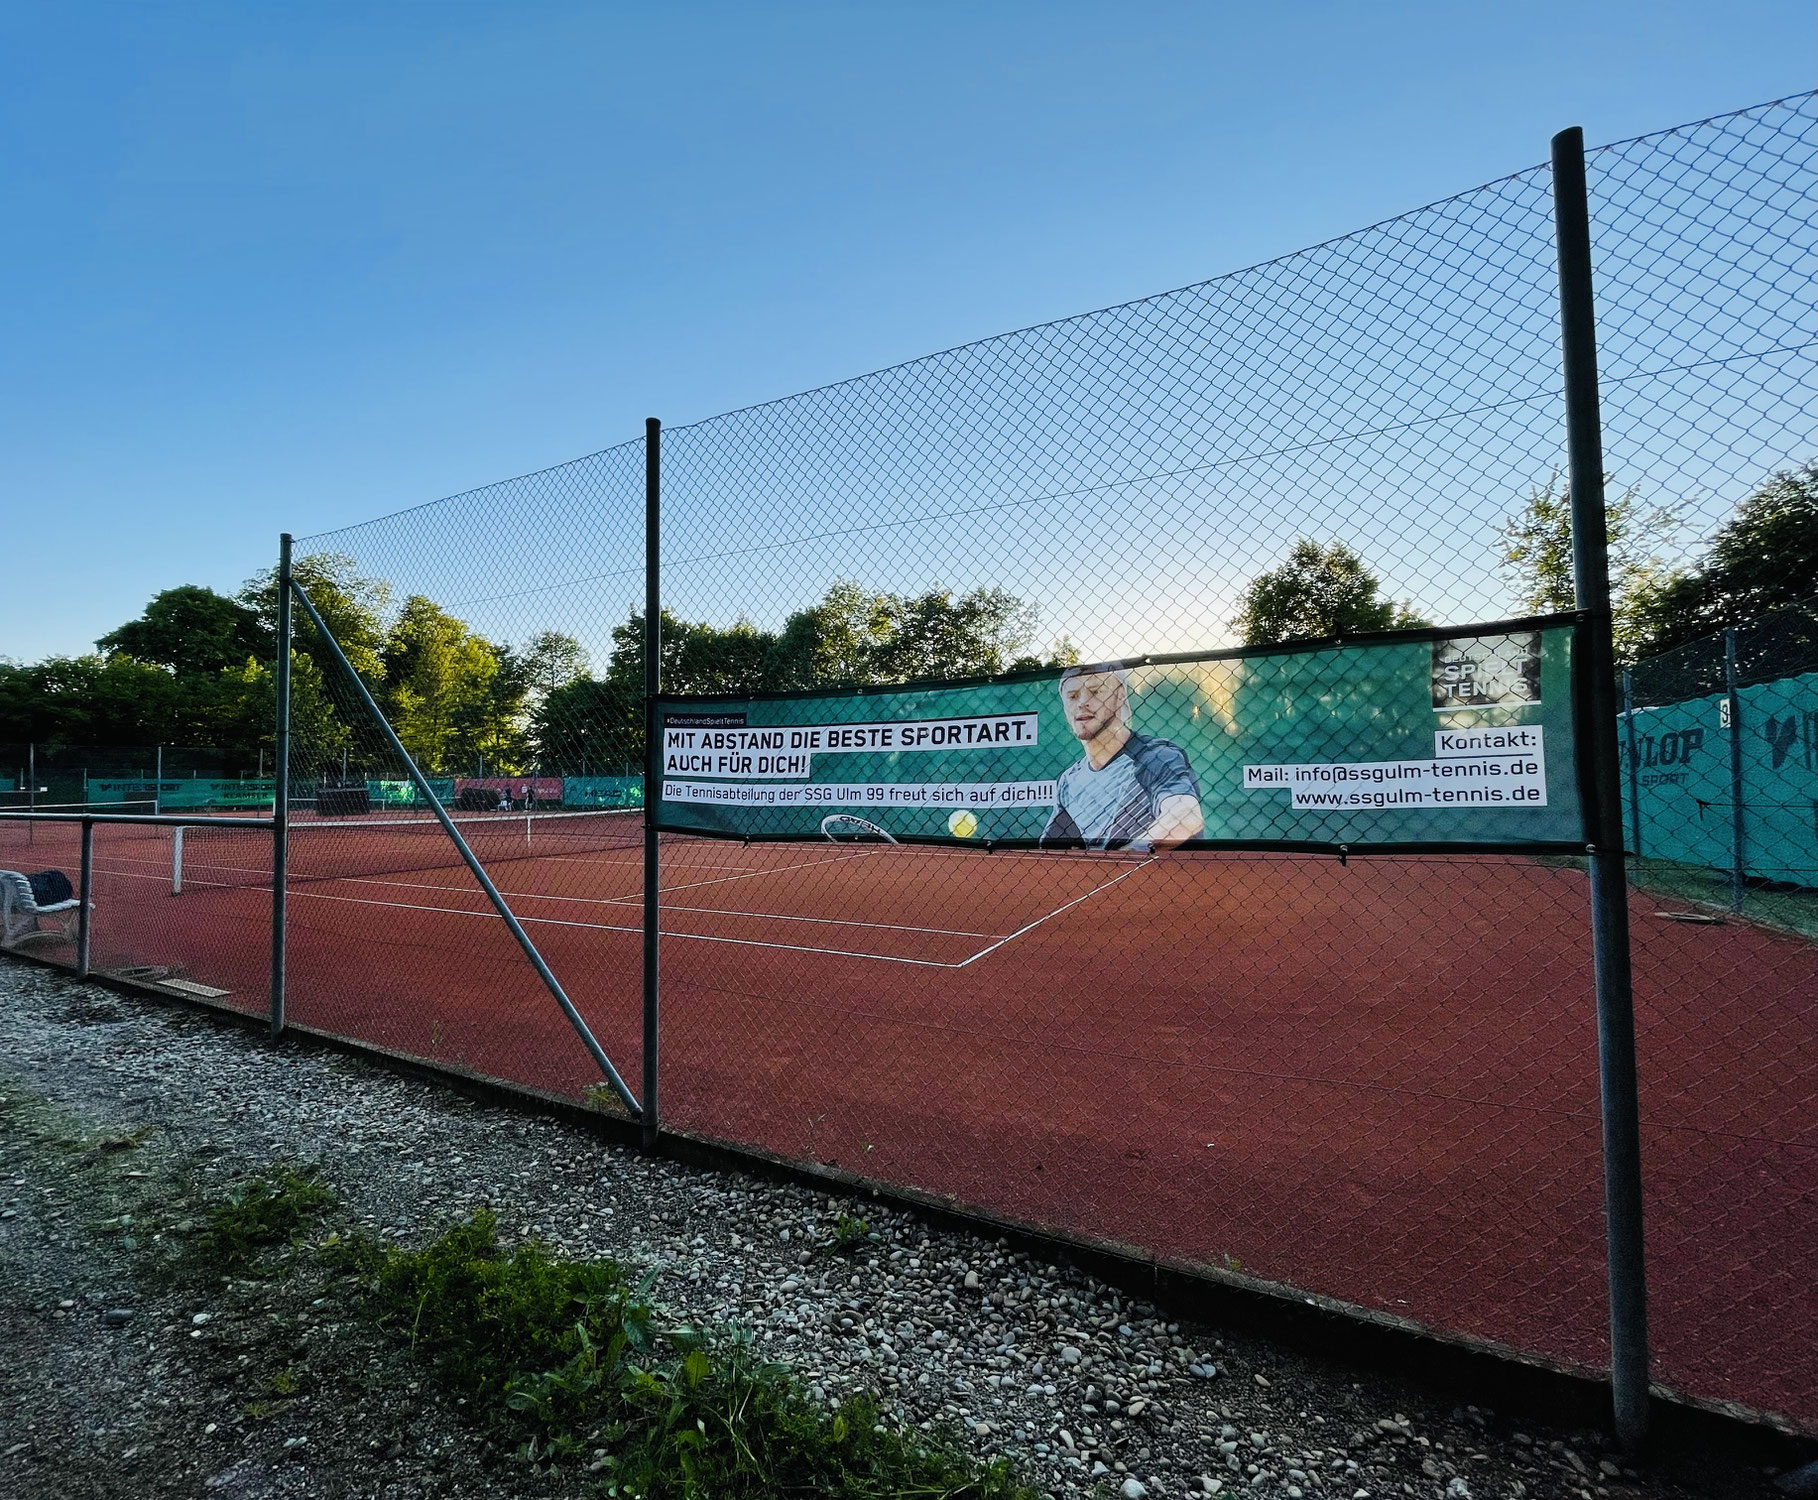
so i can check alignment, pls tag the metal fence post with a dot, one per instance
(1628, 720)
(653, 757)
(1732, 703)
(86, 891)
(1599, 778)
(280, 801)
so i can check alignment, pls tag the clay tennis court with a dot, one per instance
(1374, 1081)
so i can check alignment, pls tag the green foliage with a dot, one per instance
(569, 1356)
(352, 606)
(1764, 558)
(1537, 552)
(591, 725)
(191, 630)
(849, 1235)
(1318, 592)
(486, 1317)
(270, 1209)
(454, 697)
(855, 637)
(552, 660)
(851, 637)
(195, 669)
(95, 700)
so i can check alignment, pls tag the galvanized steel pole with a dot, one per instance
(280, 800)
(1628, 720)
(653, 758)
(1601, 787)
(1732, 707)
(87, 895)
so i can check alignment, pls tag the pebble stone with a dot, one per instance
(1087, 1385)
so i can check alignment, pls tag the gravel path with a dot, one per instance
(116, 1113)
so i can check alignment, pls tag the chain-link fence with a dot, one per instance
(1146, 988)
(1722, 819)
(138, 931)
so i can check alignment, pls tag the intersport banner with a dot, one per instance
(1461, 736)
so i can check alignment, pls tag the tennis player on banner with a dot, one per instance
(1129, 790)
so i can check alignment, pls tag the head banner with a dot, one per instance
(1429, 737)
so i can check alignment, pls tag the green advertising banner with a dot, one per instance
(184, 793)
(1421, 737)
(602, 791)
(393, 793)
(1677, 761)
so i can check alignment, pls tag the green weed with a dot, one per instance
(602, 1096)
(568, 1356)
(849, 1236)
(270, 1209)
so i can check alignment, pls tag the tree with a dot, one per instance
(352, 606)
(1764, 558)
(438, 679)
(246, 712)
(855, 637)
(589, 726)
(831, 643)
(934, 635)
(191, 630)
(93, 700)
(489, 723)
(553, 660)
(1537, 551)
(1318, 592)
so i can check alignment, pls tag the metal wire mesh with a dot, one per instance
(139, 929)
(1371, 1077)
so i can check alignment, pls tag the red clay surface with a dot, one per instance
(1376, 1081)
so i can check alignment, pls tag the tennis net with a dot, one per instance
(206, 854)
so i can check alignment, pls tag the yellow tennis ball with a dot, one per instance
(962, 824)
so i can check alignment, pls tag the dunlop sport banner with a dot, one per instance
(1461, 736)
(1677, 761)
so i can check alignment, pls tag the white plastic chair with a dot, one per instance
(20, 913)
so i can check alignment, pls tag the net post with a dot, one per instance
(653, 764)
(176, 860)
(280, 802)
(1599, 777)
(86, 892)
(1732, 705)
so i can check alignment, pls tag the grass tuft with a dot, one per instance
(273, 1208)
(569, 1356)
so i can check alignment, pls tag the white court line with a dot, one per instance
(449, 911)
(1055, 913)
(631, 900)
(696, 937)
(718, 911)
(634, 898)
(699, 937)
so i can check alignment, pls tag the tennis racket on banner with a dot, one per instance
(844, 828)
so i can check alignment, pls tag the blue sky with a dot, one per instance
(284, 266)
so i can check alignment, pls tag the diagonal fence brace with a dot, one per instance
(611, 1073)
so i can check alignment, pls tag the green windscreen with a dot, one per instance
(1418, 738)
